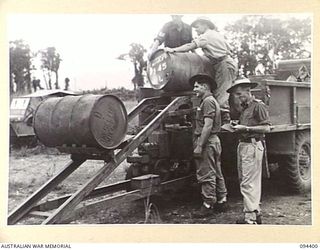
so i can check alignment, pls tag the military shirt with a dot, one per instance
(256, 113)
(172, 36)
(210, 108)
(213, 44)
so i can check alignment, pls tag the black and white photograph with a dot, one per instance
(160, 119)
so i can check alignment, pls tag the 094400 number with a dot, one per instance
(308, 246)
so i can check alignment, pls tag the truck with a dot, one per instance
(287, 94)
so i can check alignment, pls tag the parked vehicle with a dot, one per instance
(22, 110)
(287, 94)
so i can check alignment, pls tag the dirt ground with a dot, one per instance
(29, 169)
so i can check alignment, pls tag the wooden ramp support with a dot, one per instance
(145, 186)
(69, 204)
(25, 207)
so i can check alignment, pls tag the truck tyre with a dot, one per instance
(297, 167)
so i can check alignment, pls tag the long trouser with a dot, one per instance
(250, 156)
(209, 173)
(225, 74)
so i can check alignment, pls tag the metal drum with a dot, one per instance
(171, 72)
(90, 120)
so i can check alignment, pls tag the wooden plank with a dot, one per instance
(288, 84)
(145, 181)
(68, 206)
(303, 114)
(104, 190)
(141, 106)
(93, 207)
(181, 112)
(289, 127)
(280, 105)
(127, 197)
(176, 183)
(27, 205)
(40, 214)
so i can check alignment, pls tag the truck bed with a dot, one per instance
(289, 103)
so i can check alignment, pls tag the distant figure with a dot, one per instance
(242, 71)
(304, 75)
(259, 69)
(50, 84)
(264, 65)
(36, 84)
(173, 34)
(66, 83)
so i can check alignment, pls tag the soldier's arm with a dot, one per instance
(155, 45)
(205, 133)
(158, 40)
(183, 48)
(153, 48)
(255, 129)
(259, 128)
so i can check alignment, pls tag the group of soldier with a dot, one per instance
(214, 94)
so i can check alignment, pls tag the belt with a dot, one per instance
(251, 140)
(217, 60)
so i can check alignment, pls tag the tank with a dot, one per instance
(91, 120)
(172, 71)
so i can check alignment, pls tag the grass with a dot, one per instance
(133, 125)
(151, 212)
(25, 151)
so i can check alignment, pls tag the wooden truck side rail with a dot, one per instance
(289, 104)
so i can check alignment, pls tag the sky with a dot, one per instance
(90, 43)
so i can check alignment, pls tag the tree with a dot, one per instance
(264, 39)
(50, 64)
(20, 67)
(136, 55)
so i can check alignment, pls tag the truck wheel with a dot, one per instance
(298, 166)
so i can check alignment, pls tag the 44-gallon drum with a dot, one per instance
(172, 71)
(89, 120)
